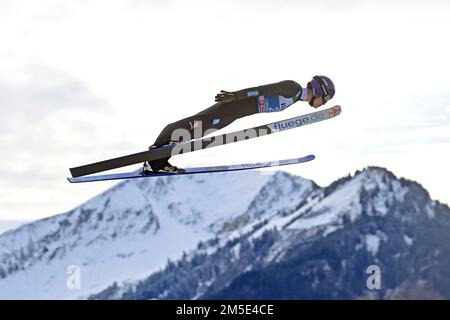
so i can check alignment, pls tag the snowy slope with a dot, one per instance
(371, 217)
(148, 238)
(6, 225)
(126, 233)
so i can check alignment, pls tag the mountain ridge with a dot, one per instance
(134, 223)
(131, 238)
(317, 249)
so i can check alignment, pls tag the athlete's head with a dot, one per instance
(322, 89)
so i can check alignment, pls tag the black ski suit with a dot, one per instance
(267, 98)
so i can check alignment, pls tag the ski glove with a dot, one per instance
(225, 96)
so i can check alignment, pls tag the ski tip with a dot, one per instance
(334, 111)
(309, 157)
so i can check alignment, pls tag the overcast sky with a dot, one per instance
(82, 81)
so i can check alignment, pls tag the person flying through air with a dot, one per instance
(231, 106)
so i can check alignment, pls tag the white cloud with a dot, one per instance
(111, 74)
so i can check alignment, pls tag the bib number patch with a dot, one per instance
(273, 103)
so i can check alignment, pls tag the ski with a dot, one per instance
(196, 170)
(206, 142)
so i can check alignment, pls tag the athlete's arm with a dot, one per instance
(287, 88)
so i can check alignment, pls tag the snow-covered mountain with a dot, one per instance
(131, 230)
(318, 247)
(236, 235)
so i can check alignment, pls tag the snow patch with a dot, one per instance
(429, 210)
(409, 241)
(399, 190)
(372, 244)
(236, 250)
(319, 220)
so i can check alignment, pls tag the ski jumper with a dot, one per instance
(267, 98)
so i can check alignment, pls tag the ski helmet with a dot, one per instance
(322, 87)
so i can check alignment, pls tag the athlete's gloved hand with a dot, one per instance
(225, 96)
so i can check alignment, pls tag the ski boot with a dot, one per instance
(164, 167)
(160, 165)
(171, 168)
